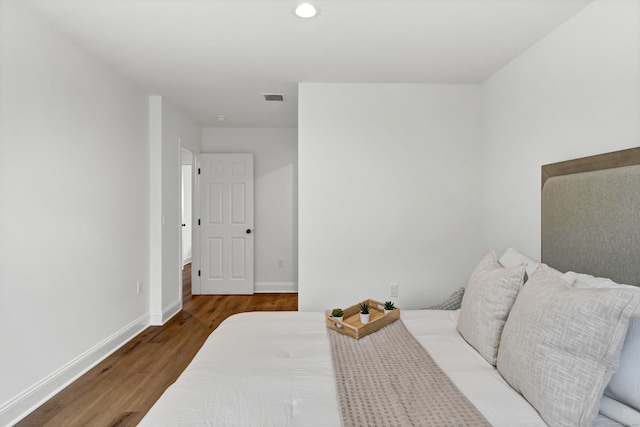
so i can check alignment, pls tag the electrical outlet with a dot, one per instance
(281, 262)
(393, 290)
(138, 287)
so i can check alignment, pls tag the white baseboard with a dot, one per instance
(20, 406)
(275, 287)
(160, 318)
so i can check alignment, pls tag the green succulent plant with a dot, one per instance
(364, 308)
(336, 312)
(388, 305)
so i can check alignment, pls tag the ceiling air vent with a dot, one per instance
(277, 97)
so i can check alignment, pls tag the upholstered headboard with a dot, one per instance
(591, 215)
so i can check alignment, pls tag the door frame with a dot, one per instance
(186, 158)
(187, 204)
(196, 287)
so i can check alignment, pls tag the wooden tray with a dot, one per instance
(351, 320)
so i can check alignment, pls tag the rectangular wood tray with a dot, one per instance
(351, 325)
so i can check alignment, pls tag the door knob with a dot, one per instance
(248, 231)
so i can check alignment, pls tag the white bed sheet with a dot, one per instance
(274, 369)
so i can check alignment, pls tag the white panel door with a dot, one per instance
(226, 223)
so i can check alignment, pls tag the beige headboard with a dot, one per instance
(591, 215)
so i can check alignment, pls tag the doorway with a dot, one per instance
(224, 241)
(186, 215)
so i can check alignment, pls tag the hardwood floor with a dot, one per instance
(123, 387)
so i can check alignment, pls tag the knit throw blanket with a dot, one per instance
(388, 379)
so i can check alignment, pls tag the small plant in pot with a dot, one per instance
(388, 307)
(337, 314)
(364, 313)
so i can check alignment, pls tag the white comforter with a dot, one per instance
(274, 369)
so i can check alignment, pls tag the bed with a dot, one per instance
(532, 344)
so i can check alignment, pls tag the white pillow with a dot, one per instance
(619, 412)
(486, 303)
(513, 258)
(625, 383)
(560, 346)
(586, 281)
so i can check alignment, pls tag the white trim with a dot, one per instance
(155, 203)
(30, 399)
(159, 319)
(195, 229)
(275, 287)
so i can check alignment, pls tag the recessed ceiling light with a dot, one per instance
(306, 10)
(221, 118)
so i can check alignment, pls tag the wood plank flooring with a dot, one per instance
(123, 387)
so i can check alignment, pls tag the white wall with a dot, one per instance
(389, 192)
(574, 94)
(74, 209)
(170, 131)
(398, 184)
(275, 198)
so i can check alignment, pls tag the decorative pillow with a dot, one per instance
(624, 385)
(560, 346)
(451, 303)
(486, 303)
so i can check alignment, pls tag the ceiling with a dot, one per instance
(216, 57)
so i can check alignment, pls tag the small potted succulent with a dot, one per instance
(337, 314)
(364, 313)
(388, 307)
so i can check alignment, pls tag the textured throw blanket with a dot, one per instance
(388, 379)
